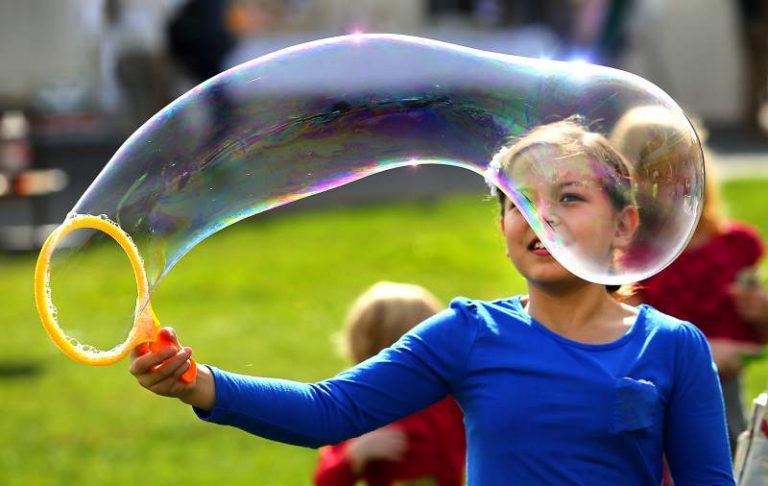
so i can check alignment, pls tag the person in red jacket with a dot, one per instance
(425, 448)
(714, 282)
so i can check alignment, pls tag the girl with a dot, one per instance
(564, 385)
(427, 447)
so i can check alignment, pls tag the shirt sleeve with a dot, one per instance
(696, 441)
(418, 370)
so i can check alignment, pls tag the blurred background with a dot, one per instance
(77, 77)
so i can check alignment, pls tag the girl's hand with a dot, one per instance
(160, 372)
(388, 444)
(751, 302)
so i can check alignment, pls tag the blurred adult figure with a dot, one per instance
(135, 80)
(200, 36)
(199, 40)
(599, 30)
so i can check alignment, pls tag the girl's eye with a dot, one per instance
(570, 197)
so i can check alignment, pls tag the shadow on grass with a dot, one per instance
(11, 370)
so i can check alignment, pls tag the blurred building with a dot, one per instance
(692, 50)
(70, 55)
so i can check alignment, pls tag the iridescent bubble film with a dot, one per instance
(323, 114)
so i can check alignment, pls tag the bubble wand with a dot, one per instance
(145, 333)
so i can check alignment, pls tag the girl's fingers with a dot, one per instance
(171, 385)
(168, 368)
(147, 362)
(140, 350)
(181, 370)
(184, 354)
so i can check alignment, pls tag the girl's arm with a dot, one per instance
(415, 372)
(696, 441)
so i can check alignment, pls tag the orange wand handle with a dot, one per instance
(145, 334)
(165, 337)
(162, 342)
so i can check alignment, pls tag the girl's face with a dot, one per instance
(568, 195)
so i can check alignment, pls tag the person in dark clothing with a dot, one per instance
(199, 39)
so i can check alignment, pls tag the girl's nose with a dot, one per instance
(547, 212)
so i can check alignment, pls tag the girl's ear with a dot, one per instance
(626, 224)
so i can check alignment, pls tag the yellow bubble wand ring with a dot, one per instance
(145, 326)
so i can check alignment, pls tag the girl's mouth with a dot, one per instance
(537, 248)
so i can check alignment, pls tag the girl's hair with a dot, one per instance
(572, 138)
(382, 314)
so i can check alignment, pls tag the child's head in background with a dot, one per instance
(382, 314)
(657, 143)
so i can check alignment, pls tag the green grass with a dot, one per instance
(262, 297)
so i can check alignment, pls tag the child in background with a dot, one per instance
(564, 385)
(427, 447)
(712, 283)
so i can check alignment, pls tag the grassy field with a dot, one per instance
(263, 297)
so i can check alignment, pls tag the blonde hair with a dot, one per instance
(648, 135)
(382, 314)
(713, 217)
(712, 214)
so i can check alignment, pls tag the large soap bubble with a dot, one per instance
(323, 114)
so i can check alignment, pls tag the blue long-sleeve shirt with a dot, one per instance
(539, 408)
